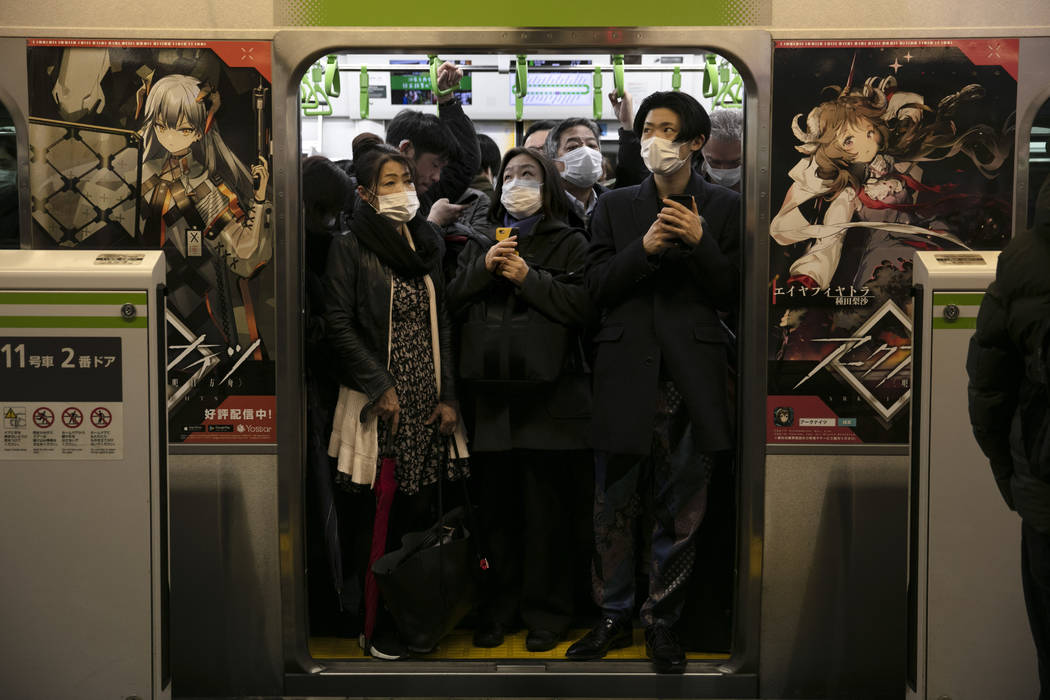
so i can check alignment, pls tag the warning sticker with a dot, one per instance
(61, 398)
(61, 431)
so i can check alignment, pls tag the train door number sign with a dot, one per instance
(61, 398)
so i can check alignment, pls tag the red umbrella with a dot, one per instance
(386, 486)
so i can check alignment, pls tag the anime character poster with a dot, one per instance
(166, 144)
(881, 148)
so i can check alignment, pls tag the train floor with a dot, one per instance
(459, 646)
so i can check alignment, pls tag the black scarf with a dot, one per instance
(383, 237)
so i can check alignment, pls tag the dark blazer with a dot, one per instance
(661, 312)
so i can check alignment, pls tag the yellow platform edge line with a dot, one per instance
(459, 646)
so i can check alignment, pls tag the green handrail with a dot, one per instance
(618, 74)
(521, 86)
(364, 93)
(676, 79)
(331, 76)
(710, 88)
(597, 93)
(434, 63)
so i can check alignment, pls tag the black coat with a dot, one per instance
(1005, 358)
(661, 311)
(554, 417)
(358, 288)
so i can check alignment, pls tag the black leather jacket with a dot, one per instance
(358, 288)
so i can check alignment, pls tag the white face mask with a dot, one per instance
(726, 177)
(522, 198)
(399, 207)
(583, 166)
(661, 156)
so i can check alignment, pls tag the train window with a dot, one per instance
(1039, 160)
(8, 181)
(349, 102)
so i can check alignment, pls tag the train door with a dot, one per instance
(324, 70)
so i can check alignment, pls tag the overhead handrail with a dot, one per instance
(618, 75)
(331, 76)
(364, 93)
(710, 87)
(731, 87)
(434, 63)
(312, 92)
(597, 94)
(521, 85)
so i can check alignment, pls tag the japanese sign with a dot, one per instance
(166, 144)
(880, 148)
(61, 398)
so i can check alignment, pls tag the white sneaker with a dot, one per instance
(385, 649)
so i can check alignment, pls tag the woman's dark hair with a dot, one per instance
(553, 196)
(372, 157)
(325, 184)
(691, 114)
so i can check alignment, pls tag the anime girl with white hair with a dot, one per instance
(191, 181)
(199, 198)
(862, 153)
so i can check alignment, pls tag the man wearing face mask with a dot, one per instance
(722, 152)
(573, 145)
(659, 271)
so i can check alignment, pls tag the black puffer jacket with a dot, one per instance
(1007, 364)
(357, 310)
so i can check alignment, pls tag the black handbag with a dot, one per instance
(505, 341)
(432, 581)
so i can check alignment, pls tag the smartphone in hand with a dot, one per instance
(686, 200)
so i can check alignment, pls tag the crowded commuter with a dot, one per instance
(325, 186)
(386, 321)
(723, 152)
(521, 305)
(574, 146)
(490, 160)
(536, 135)
(659, 272)
(1009, 397)
(443, 148)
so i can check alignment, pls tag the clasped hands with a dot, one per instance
(674, 224)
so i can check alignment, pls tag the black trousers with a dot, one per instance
(532, 504)
(1035, 578)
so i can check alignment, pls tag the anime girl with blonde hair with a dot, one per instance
(862, 151)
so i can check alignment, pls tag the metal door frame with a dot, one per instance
(293, 53)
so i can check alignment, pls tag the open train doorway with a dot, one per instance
(508, 99)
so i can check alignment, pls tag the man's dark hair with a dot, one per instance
(490, 157)
(425, 131)
(554, 205)
(550, 146)
(691, 114)
(541, 125)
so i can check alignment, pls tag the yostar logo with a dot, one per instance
(875, 360)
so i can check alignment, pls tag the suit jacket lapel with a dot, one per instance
(646, 207)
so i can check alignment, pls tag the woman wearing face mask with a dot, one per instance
(528, 439)
(388, 326)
